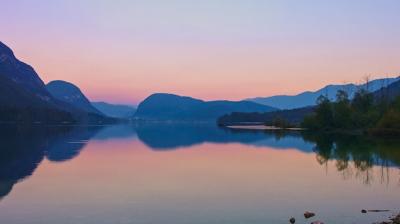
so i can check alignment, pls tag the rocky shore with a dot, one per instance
(393, 220)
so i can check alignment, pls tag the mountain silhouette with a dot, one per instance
(388, 93)
(24, 97)
(115, 110)
(71, 94)
(21, 86)
(309, 98)
(296, 116)
(170, 107)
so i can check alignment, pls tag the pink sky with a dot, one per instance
(125, 51)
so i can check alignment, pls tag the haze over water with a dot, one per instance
(192, 174)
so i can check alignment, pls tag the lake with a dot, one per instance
(201, 174)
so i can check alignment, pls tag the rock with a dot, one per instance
(363, 211)
(292, 220)
(396, 220)
(308, 215)
(317, 222)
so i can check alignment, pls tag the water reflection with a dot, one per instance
(170, 137)
(355, 156)
(23, 148)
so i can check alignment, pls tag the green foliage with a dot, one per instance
(281, 122)
(361, 113)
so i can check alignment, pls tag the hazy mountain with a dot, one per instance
(115, 110)
(309, 98)
(390, 92)
(295, 116)
(162, 106)
(71, 94)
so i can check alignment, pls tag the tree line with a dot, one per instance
(364, 112)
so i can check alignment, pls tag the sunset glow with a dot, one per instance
(122, 51)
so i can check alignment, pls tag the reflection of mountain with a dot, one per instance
(23, 148)
(19, 156)
(67, 144)
(164, 137)
(116, 132)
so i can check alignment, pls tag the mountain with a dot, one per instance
(293, 117)
(115, 110)
(71, 94)
(389, 92)
(21, 86)
(309, 98)
(23, 95)
(163, 106)
(296, 116)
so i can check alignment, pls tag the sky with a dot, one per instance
(121, 51)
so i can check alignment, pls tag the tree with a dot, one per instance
(342, 111)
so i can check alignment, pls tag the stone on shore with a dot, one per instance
(309, 215)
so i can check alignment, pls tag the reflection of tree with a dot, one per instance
(356, 156)
(398, 182)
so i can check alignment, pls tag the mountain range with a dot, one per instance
(296, 116)
(309, 98)
(21, 86)
(115, 110)
(170, 107)
(25, 97)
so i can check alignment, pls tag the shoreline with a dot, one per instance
(395, 219)
(263, 127)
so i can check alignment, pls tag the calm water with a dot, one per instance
(175, 174)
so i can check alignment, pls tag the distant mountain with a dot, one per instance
(115, 110)
(162, 106)
(71, 94)
(309, 98)
(389, 93)
(296, 116)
